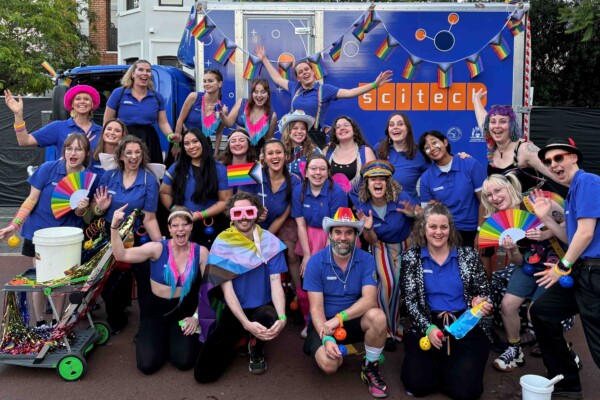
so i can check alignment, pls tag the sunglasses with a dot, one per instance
(557, 159)
(247, 212)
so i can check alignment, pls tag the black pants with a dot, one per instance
(558, 303)
(117, 297)
(459, 375)
(219, 349)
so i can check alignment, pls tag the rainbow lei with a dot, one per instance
(172, 276)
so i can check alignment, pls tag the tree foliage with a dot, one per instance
(584, 16)
(34, 31)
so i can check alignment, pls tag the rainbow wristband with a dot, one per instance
(344, 315)
(429, 329)
(328, 339)
(19, 126)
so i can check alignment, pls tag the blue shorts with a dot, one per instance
(523, 285)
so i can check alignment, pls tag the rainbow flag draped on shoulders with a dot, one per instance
(231, 255)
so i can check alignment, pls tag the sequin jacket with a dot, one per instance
(472, 273)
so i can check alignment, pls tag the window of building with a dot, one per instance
(112, 31)
(170, 61)
(130, 61)
(132, 4)
(172, 3)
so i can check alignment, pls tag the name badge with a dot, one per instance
(427, 271)
(128, 102)
(377, 225)
(112, 192)
(307, 205)
(567, 212)
(438, 188)
(331, 278)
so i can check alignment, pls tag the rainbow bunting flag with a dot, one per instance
(253, 67)
(515, 27)
(244, 174)
(387, 48)
(444, 75)
(336, 49)
(316, 62)
(412, 65)
(500, 46)
(224, 51)
(203, 29)
(359, 29)
(475, 65)
(284, 69)
(371, 21)
(49, 68)
(67, 82)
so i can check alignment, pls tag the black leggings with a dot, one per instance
(219, 349)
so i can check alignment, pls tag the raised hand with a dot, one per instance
(15, 105)
(383, 78)
(102, 198)
(367, 218)
(119, 216)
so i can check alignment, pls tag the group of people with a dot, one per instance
(347, 221)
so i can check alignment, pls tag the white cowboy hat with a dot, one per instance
(297, 115)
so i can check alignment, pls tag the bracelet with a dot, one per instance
(98, 211)
(429, 329)
(175, 144)
(204, 214)
(115, 228)
(14, 225)
(344, 315)
(195, 315)
(561, 272)
(169, 136)
(17, 221)
(328, 339)
(283, 317)
(564, 268)
(340, 319)
(367, 229)
(374, 84)
(19, 126)
(19, 130)
(566, 263)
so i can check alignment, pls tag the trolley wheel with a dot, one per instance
(72, 367)
(104, 330)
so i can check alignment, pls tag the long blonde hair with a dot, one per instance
(127, 80)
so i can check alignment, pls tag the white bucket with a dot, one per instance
(536, 387)
(56, 251)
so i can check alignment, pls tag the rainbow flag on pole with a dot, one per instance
(444, 75)
(387, 48)
(474, 64)
(49, 68)
(500, 46)
(412, 65)
(244, 174)
(203, 29)
(316, 62)
(336, 49)
(225, 51)
(253, 67)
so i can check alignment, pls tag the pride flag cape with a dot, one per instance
(231, 255)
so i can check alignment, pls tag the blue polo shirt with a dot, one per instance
(194, 118)
(45, 179)
(456, 190)
(277, 202)
(308, 100)
(444, 288)
(56, 132)
(190, 186)
(582, 202)
(142, 194)
(134, 112)
(407, 172)
(253, 289)
(320, 277)
(395, 227)
(314, 209)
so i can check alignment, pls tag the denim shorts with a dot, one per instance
(523, 285)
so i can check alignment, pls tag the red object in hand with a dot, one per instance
(294, 305)
(339, 334)
(439, 335)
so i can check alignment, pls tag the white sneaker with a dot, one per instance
(511, 359)
(304, 332)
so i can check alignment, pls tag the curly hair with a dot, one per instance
(383, 150)
(101, 145)
(121, 148)
(127, 80)
(392, 190)
(509, 182)
(418, 231)
(253, 199)
(358, 138)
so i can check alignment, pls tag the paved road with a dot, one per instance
(291, 375)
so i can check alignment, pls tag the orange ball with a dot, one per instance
(294, 305)
(339, 334)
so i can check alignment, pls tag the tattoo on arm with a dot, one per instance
(532, 148)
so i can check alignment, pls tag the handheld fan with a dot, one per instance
(513, 223)
(550, 195)
(71, 190)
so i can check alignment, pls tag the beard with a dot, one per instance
(342, 248)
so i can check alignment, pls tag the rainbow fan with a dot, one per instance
(513, 223)
(550, 195)
(71, 190)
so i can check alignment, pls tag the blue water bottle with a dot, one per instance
(466, 322)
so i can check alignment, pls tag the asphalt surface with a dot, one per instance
(291, 375)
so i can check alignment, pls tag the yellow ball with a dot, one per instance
(88, 244)
(13, 241)
(424, 343)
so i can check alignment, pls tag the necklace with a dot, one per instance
(349, 268)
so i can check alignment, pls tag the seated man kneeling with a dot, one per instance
(342, 289)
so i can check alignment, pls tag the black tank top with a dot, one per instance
(346, 169)
(527, 176)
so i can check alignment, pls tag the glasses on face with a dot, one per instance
(130, 154)
(343, 125)
(558, 158)
(247, 212)
(494, 193)
(315, 169)
(428, 148)
(73, 150)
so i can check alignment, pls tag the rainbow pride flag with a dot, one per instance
(516, 27)
(336, 49)
(284, 69)
(316, 62)
(444, 75)
(253, 67)
(371, 21)
(224, 51)
(412, 65)
(474, 64)
(244, 174)
(387, 48)
(500, 46)
(203, 29)
(359, 29)
(49, 68)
